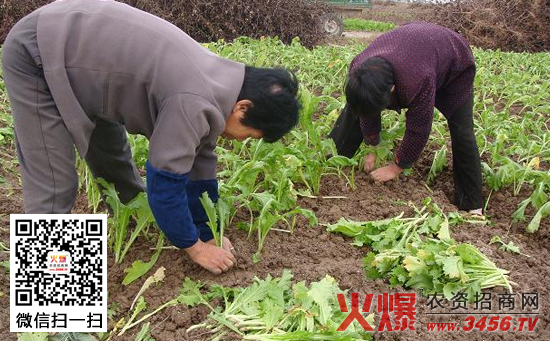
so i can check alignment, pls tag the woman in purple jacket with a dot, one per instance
(419, 66)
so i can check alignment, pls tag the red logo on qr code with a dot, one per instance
(58, 262)
(58, 273)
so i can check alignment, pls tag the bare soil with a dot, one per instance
(365, 36)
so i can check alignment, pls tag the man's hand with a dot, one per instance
(226, 245)
(387, 173)
(212, 258)
(369, 163)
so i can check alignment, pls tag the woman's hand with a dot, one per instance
(387, 173)
(369, 163)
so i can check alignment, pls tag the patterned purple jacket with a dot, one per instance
(433, 67)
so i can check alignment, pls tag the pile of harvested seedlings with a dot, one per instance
(213, 20)
(511, 25)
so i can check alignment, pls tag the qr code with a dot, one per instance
(58, 264)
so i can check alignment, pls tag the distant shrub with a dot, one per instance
(212, 20)
(509, 25)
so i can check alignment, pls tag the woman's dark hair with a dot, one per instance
(368, 88)
(273, 93)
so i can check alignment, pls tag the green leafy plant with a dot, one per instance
(6, 265)
(190, 295)
(145, 333)
(139, 268)
(419, 253)
(6, 136)
(72, 336)
(219, 216)
(4, 248)
(356, 24)
(140, 149)
(270, 215)
(89, 185)
(539, 201)
(510, 247)
(265, 221)
(542, 213)
(32, 336)
(113, 310)
(138, 209)
(274, 309)
(439, 162)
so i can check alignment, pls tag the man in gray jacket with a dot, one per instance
(82, 73)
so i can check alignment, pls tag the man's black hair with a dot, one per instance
(273, 93)
(368, 88)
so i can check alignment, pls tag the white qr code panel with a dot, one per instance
(58, 273)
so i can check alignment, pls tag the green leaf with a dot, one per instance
(496, 239)
(140, 306)
(438, 164)
(541, 213)
(190, 293)
(6, 265)
(511, 247)
(451, 289)
(472, 289)
(469, 254)
(32, 336)
(256, 258)
(399, 276)
(340, 161)
(111, 196)
(224, 210)
(322, 293)
(212, 215)
(306, 335)
(309, 214)
(145, 333)
(346, 227)
(539, 197)
(135, 271)
(72, 337)
(421, 281)
(443, 232)
(301, 294)
(370, 267)
(113, 310)
(139, 268)
(386, 261)
(273, 312)
(414, 264)
(451, 266)
(519, 214)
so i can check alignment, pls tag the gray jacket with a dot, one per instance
(109, 60)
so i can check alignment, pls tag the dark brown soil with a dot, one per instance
(10, 202)
(312, 252)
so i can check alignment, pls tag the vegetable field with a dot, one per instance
(308, 225)
(356, 24)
